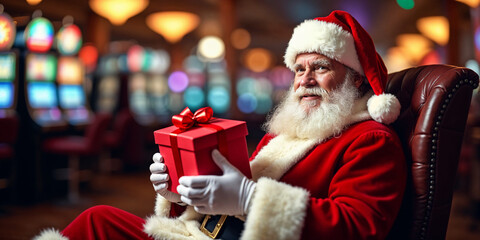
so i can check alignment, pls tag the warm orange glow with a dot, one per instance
(118, 11)
(240, 38)
(33, 2)
(435, 28)
(258, 59)
(396, 60)
(172, 25)
(414, 46)
(471, 3)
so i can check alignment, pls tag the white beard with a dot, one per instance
(327, 119)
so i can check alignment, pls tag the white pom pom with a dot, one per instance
(384, 108)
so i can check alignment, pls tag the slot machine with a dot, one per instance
(8, 101)
(106, 91)
(71, 77)
(157, 87)
(138, 96)
(8, 67)
(41, 93)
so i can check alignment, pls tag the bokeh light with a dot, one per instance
(245, 85)
(473, 64)
(396, 60)
(470, 3)
(196, 79)
(39, 35)
(157, 85)
(88, 54)
(219, 79)
(247, 103)
(7, 31)
(263, 86)
(477, 38)
(258, 59)
(193, 64)
(414, 46)
(69, 39)
(264, 103)
(435, 28)
(160, 61)
(218, 99)
(281, 77)
(211, 48)
(240, 38)
(406, 4)
(178, 81)
(194, 98)
(136, 58)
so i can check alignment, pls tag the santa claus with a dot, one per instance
(329, 166)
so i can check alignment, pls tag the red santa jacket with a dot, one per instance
(346, 187)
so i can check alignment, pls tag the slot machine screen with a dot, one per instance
(6, 94)
(42, 95)
(71, 96)
(70, 71)
(41, 68)
(138, 94)
(7, 67)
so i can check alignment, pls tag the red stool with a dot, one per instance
(76, 146)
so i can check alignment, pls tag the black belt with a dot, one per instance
(222, 227)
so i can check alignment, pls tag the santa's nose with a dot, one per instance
(308, 80)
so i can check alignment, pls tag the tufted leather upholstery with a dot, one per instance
(435, 101)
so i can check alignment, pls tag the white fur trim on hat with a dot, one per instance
(326, 38)
(384, 108)
(50, 234)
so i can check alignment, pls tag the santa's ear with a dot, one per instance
(358, 80)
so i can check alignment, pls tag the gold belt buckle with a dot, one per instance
(213, 234)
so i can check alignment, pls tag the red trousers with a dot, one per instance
(105, 222)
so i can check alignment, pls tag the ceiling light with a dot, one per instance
(118, 11)
(172, 25)
(471, 3)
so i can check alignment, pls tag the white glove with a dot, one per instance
(228, 194)
(159, 178)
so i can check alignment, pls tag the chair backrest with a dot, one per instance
(95, 131)
(9, 129)
(435, 101)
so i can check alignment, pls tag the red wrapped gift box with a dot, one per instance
(195, 145)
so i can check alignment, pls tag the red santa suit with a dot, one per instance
(348, 186)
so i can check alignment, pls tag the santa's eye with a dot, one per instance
(319, 67)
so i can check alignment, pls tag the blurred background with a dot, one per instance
(84, 83)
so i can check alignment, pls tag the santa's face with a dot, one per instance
(316, 71)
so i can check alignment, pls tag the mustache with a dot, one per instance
(318, 91)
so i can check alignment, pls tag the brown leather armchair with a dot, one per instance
(435, 102)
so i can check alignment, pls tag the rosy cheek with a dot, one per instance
(296, 84)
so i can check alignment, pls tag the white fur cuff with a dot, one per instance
(277, 211)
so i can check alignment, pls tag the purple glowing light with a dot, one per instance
(178, 81)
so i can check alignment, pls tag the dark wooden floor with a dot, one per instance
(133, 192)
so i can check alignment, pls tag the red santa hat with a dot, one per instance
(339, 36)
